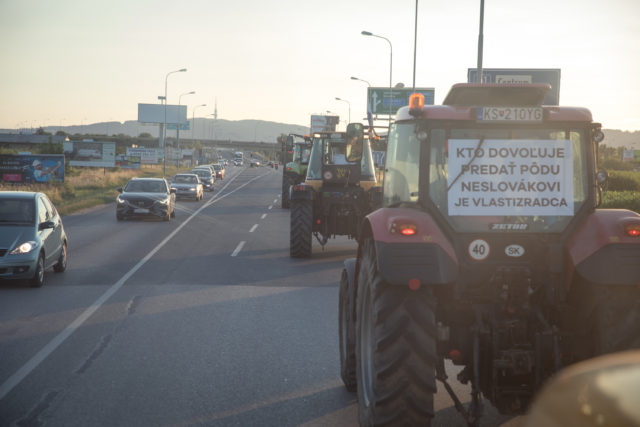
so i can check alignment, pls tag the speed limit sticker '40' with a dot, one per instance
(479, 250)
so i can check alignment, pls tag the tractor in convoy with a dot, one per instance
(296, 150)
(339, 190)
(489, 251)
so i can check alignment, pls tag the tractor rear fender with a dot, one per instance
(603, 251)
(300, 192)
(422, 254)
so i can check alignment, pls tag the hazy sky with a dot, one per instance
(69, 62)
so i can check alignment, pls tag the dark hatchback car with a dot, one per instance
(32, 237)
(206, 177)
(146, 197)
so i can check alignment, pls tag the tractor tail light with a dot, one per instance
(408, 229)
(632, 230)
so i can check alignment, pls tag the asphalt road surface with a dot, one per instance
(203, 320)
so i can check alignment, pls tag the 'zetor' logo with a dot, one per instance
(327, 175)
(509, 227)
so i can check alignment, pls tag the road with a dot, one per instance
(203, 320)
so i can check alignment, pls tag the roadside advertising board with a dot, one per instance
(324, 123)
(522, 75)
(148, 156)
(510, 177)
(127, 162)
(628, 155)
(31, 168)
(92, 154)
(155, 113)
(385, 101)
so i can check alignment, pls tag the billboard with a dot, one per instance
(148, 156)
(155, 113)
(127, 162)
(383, 100)
(31, 168)
(324, 123)
(91, 153)
(522, 75)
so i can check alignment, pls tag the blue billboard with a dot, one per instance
(31, 168)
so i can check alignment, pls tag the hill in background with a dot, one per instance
(256, 130)
(208, 129)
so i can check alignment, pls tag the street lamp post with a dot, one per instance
(367, 33)
(164, 129)
(361, 80)
(344, 100)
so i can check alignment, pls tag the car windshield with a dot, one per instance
(140, 186)
(202, 173)
(217, 167)
(185, 179)
(486, 179)
(17, 211)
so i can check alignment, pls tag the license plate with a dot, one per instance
(510, 114)
(141, 211)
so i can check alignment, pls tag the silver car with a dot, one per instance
(187, 185)
(32, 237)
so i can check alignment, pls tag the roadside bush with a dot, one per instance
(624, 181)
(616, 165)
(621, 200)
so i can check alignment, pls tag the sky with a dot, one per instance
(73, 62)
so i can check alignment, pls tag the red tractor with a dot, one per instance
(489, 251)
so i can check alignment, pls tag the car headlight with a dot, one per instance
(164, 201)
(192, 189)
(24, 248)
(119, 200)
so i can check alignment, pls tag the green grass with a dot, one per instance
(88, 187)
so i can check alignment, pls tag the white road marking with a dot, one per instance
(263, 216)
(275, 201)
(253, 228)
(33, 363)
(270, 206)
(238, 248)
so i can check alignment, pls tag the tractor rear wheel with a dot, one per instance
(300, 231)
(395, 349)
(347, 335)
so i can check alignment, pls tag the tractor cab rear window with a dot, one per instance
(330, 150)
(491, 179)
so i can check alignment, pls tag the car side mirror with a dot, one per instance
(120, 189)
(172, 190)
(46, 224)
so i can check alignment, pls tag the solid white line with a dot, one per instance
(263, 216)
(253, 228)
(33, 363)
(238, 248)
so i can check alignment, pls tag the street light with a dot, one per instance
(367, 33)
(178, 125)
(344, 100)
(164, 129)
(193, 120)
(361, 80)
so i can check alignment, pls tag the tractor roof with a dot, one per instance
(497, 95)
(463, 98)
